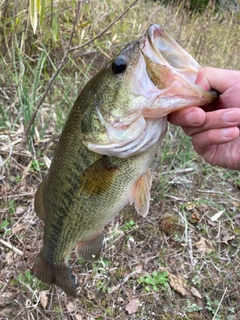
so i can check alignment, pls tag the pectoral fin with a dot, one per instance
(90, 250)
(97, 178)
(140, 194)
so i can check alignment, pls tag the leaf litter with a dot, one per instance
(201, 256)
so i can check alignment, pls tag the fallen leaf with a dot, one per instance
(204, 246)
(21, 210)
(194, 217)
(195, 293)
(132, 306)
(228, 238)
(139, 268)
(78, 317)
(71, 307)
(19, 227)
(236, 204)
(5, 297)
(44, 298)
(177, 283)
(47, 161)
(217, 215)
(190, 206)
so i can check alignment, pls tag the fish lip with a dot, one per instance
(154, 31)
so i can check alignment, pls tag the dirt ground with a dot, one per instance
(187, 246)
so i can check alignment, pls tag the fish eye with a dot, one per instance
(119, 65)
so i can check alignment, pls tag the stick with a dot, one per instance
(8, 245)
(219, 305)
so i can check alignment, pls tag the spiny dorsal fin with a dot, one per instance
(90, 250)
(39, 201)
(140, 194)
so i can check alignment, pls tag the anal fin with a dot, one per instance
(140, 194)
(90, 250)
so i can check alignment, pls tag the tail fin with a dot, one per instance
(52, 274)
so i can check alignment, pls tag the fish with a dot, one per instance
(103, 157)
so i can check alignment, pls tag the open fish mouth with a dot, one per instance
(173, 71)
(166, 51)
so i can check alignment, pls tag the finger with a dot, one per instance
(192, 116)
(218, 79)
(224, 118)
(202, 141)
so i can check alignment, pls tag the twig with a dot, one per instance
(10, 246)
(106, 29)
(65, 56)
(219, 305)
(12, 196)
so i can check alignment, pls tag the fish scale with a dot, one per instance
(102, 160)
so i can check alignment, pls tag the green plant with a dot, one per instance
(12, 206)
(191, 307)
(100, 266)
(36, 165)
(196, 280)
(212, 306)
(4, 224)
(130, 225)
(156, 281)
(101, 285)
(29, 281)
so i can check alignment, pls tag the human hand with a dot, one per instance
(215, 128)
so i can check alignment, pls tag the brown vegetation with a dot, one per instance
(180, 262)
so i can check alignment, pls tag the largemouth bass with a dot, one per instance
(102, 159)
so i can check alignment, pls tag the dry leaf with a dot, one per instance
(44, 298)
(228, 238)
(78, 317)
(5, 297)
(194, 217)
(9, 257)
(139, 268)
(204, 246)
(21, 210)
(19, 227)
(196, 293)
(217, 215)
(236, 204)
(132, 306)
(177, 283)
(190, 206)
(47, 161)
(71, 307)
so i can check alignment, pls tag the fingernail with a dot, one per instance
(229, 116)
(227, 132)
(192, 119)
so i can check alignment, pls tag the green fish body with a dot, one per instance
(102, 160)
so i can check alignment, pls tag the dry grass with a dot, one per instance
(193, 228)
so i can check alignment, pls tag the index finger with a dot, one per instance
(218, 79)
